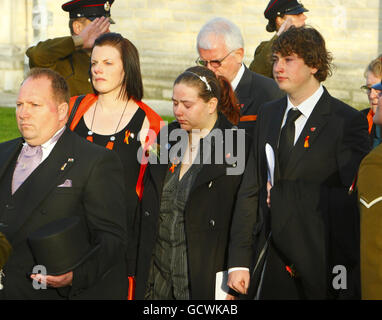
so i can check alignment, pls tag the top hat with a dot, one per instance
(89, 9)
(277, 8)
(62, 245)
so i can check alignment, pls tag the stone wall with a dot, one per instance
(164, 32)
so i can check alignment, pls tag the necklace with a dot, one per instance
(110, 143)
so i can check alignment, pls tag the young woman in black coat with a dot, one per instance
(198, 207)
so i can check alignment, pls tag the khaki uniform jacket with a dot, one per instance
(60, 55)
(262, 60)
(5, 249)
(370, 197)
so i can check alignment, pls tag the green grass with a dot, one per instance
(8, 125)
(168, 118)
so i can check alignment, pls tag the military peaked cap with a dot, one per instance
(90, 9)
(277, 8)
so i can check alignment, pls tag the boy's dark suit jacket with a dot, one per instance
(313, 220)
(97, 195)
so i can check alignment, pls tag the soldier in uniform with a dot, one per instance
(369, 193)
(70, 56)
(281, 14)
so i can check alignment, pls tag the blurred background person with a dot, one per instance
(114, 116)
(281, 14)
(195, 218)
(70, 56)
(370, 195)
(373, 76)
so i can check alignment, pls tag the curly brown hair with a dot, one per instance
(308, 44)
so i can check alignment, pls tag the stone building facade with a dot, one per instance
(165, 31)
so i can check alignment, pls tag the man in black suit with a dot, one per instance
(221, 49)
(72, 178)
(314, 143)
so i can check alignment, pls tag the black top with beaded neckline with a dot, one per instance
(126, 151)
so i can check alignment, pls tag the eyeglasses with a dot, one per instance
(367, 90)
(213, 63)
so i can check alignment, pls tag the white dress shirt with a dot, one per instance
(306, 108)
(238, 77)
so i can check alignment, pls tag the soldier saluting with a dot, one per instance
(70, 56)
(281, 14)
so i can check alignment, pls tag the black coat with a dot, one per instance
(253, 91)
(313, 220)
(219, 218)
(97, 195)
(372, 133)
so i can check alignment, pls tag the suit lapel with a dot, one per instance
(210, 172)
(312, 129)
(275, 125)
(243, 91)
(9, 154)
(158, 171)
(47, 176)
(274, 129)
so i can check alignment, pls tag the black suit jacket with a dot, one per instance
(97, 195)
(253, 91)
(372, 133)
(322, 166)
(219, 218)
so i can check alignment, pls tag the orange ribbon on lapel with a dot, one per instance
(172, 168)
(306, 143)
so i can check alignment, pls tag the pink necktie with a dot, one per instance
(28, 160)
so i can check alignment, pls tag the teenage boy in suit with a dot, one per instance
(310, 222)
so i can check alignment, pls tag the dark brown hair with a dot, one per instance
(271, 26)
(132, 85)
(307, 43)
(60, 90)
(219, 87)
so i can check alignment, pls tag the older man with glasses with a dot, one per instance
(373, 77)
(221, 49)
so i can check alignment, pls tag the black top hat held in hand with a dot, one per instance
(61, 245)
